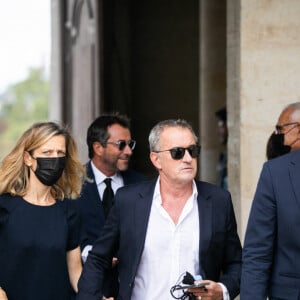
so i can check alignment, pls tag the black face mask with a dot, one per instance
(276, 147)
(49, 169)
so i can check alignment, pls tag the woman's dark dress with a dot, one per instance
(33, 244)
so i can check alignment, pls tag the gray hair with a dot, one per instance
(156, 131)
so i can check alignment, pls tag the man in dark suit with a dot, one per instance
(271, 265)
(110, 147)
(166, 227)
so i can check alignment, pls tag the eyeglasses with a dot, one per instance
(279, 127)
(179, 152)
(122, 144)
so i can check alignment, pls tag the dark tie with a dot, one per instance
(108, 195)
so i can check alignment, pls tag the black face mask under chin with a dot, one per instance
(49, 169)
(276, 147)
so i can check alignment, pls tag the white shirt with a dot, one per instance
(116, 182)
(170, 249)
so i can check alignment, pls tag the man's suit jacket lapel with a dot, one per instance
(294, 173)
(92, 192)
(205, 216)
(141, 217)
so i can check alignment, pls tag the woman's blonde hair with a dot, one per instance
(14, 174)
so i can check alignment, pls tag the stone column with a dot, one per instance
(212, 39)
(263, 46)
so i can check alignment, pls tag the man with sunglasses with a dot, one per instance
(110, 148)
(286, 137)
(166, 227)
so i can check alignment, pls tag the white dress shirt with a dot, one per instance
(116, 180)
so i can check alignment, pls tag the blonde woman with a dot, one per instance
(39, 228)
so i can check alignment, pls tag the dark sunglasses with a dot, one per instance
(122, 144)
(179, 152)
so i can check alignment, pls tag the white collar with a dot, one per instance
(99, 176)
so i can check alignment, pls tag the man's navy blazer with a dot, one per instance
(90, 205)
(125, 232)
(271, 255)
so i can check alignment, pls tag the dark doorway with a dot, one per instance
(151, 65)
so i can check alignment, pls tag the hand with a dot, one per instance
(2, 294)
(104, 298)
(212, 291)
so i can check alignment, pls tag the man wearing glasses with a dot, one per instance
(271, 264)
(166, 227)
(286, 137)
(110, 148)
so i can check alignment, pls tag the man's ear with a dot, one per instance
(98, 148)
(155, 159)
